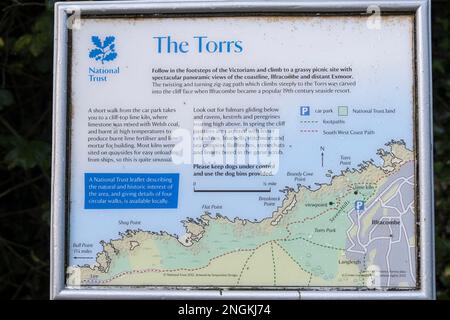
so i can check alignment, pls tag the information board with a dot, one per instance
(242, 150)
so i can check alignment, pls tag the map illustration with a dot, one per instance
(279, 158)
(356, 231)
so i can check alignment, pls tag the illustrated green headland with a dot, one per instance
(309, 240)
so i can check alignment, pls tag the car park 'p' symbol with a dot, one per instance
(359, 206)
(304, 111)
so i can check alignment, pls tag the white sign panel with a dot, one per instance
(249, 151)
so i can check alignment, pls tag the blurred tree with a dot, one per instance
(26, 32)
(25, 147)
(441, 95)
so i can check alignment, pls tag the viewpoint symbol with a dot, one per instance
(104, 50)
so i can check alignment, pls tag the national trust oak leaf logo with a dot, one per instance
(103, 51)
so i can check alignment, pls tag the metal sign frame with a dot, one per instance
(64, 12)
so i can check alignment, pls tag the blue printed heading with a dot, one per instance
(198, 44)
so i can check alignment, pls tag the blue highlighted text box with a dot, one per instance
(131, 190)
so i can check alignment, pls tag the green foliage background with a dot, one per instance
(26, 33)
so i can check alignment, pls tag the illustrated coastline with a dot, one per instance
(298, 208)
